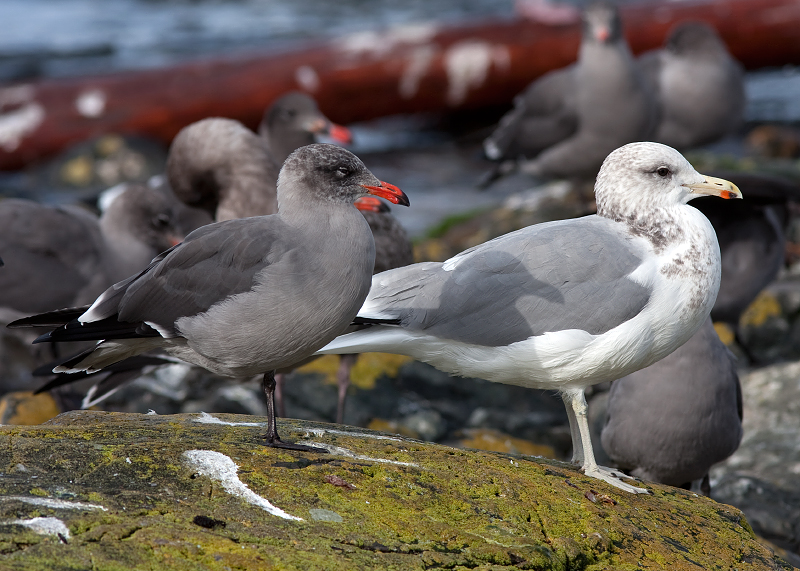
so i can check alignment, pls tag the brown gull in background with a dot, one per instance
(565, 123)
(567, 304)
(698, 85)
(246, 296)
(221, 166)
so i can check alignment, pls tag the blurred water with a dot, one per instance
(773, 95)
(72, 37)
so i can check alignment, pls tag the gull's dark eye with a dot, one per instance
(343, 171)
(161, 221)
(662, 171)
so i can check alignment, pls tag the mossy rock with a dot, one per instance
(130, 492)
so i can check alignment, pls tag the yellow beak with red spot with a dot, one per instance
(713, 186)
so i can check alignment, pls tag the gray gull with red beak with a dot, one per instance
(247, 296)
(567, 304)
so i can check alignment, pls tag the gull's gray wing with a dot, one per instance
(215, 262)
(562, 275)
(543, 114)
(649, 65)
(51, 255)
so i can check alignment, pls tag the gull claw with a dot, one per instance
(613, 477)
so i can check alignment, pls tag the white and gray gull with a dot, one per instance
(246, 296)
(567, 304)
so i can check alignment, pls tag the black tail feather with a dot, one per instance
(55, 318)
(108, 328)
(374, 321)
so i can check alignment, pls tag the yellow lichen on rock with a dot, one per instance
(122, 485)
(725, 333)
(368, 368)
(765, 306)
(496, 441)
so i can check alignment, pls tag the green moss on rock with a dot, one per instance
(376, 502)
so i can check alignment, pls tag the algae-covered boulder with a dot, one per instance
(112, 491)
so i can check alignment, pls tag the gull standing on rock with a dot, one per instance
(569, 120)
(247, 296)
(698, 85)
(567, 304)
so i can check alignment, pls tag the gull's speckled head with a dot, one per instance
(641, 177)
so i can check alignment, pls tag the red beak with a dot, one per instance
(603, 34)
(388, 191)
(340, 134)
(371, 204)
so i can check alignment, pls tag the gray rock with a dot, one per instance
(763, 477)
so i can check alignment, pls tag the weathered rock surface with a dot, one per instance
(763, 475)
(98, 490)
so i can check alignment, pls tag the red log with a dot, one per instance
(365, 76)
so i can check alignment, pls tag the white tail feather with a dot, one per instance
(379, 338)
(109, 352)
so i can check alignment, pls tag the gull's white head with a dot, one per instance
(638, 178)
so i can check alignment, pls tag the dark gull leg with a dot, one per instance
(280, 405)
(705, 486)
(574, 399)
(346, 363)
(271, 438)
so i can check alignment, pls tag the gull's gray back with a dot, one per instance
(550, 277)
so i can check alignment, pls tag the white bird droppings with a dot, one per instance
(20, 117)
(339, 451)
(307, 78)
(380, 44)
(54, 503)
(45, 526)
(206, 418)
(221, 468)
(419, 62)
(467, 64)
(91, 103)
(319, 432)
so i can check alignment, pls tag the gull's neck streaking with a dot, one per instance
(683, 241)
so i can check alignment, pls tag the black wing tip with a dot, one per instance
(374, 321)
(108, 328)
(55, 318)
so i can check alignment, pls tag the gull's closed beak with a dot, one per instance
(388, 191)
(713, 186)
